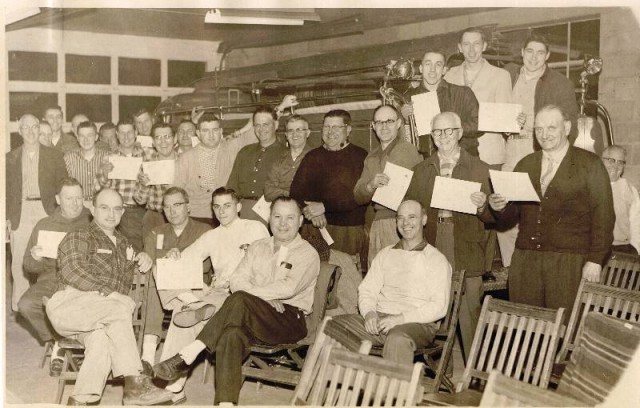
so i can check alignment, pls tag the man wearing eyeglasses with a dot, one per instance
(33, 173)
(459, 236)
(567, 235)
(626, 202)
(386, 123)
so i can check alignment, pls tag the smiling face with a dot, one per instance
(534, 56)
(552, 131)
(185, 132)
(108, 210)
(226, 208)
(29, 129)
(386, 124)
(70, 201)
(410, 220)
(163, 141)
(614, 161)
(297, 134)
(176, 209)
(126, 135)
(143, 123)
(109, 137)
(54, 118)
(335, 132)
(447, 144)
(433, 68)
(285, 221)
(265, 128)
(472, 46)
(87, 138)
(45, 134)
(210, 134)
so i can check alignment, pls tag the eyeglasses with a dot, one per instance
(446, 132)
(291, 132)
(610, 161)
(388, 122)
(174, 206)
(333, 128)
(215, 131)
(34, 128)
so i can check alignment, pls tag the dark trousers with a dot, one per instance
(243, 320)
(155, 312)
(31, 308)
(131, 226)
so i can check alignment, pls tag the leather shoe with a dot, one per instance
(138, 390)
(190, 317)
(73, 401)
(171, 369)
(146, 368)
(488, 277)
(55, 367)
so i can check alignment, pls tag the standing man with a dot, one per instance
(70, 216)
(451, 98)
(143, 122)
(567, 235)
(62, 141)
(396, 150)
(45, 134)
(96, 269)
(186, 131)
(33, 174)
(272, 290)
(84, 164)
(459, 236)
(108, 140)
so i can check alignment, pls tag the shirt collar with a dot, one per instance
(557, 156)
(422, 245)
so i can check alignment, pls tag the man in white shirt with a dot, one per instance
(405, 292)
(272, 289)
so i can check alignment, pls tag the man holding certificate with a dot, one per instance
(459, 236)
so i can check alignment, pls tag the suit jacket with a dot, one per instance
(51, 169)
(576, 214)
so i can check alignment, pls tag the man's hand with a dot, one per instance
(406, 110)
(287, 102)
(276, 304)
(389, 322)
(521, 119)
(479, 199)
(591, 272)
(35, 253)
(497, 202)
(313, 209)
(319, 222)
(196, 114)
(106, 167)
(379, 180)
(143, 178)
(371, 322)
(173, 253)
(144, 261)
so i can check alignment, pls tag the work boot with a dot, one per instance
(138, 390)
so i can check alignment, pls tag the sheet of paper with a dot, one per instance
(179, 274)
(514, 186)
(262, 208)
(455, 195)
(499, 117)
(160, 172)
(145, 141)
(392, 194)
(327, 237)
(425, 107)
(49, 241)
(125, 168)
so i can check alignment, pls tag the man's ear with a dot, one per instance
(424, 219)
(58, 199)
(445, 70)
(238, 207)
(567, 127)
(484, 46)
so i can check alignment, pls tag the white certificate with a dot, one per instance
(49, 241)
(392, 194)
(262, 208)
(145, 141)
(125, 168)
(425, 107)
(160, 172)
(499, 117)
(455, 195)
(327, 237)
(179, 274)
(514, 186)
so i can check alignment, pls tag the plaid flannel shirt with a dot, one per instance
(89, 261)
(126, 188)
(152, 195)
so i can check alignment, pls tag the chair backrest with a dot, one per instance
(139, 292)
(326, 286)
(518, 340)
(622, 271)
(346, 378)
(609, 300)
(596, 365)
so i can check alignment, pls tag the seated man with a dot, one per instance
(272, 289)
(626, 202)
(96, 269)
(395, 311)
(70, 216)
(225, 245)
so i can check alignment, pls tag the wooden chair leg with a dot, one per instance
(48, 348)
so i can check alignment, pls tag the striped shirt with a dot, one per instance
(446, 170)
(85, 171)
(30, 187)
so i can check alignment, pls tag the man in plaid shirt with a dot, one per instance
(131, 224)
(96, 269)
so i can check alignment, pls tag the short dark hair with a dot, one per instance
(286, 199)
(222, 191)
(338, 113)
(176, 190)
(161, 125)
(398, 116)
(183, 121)
(107, 126)
(87, 124)
(140, 112)
(536, 37)
(68, 182)
(552, 107)
(209, 117)
(436, 51)
(264, 109)
(125, 121)
(296, 118)
(52, 107)
(472, 30)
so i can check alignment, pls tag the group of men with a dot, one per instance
(259, 283)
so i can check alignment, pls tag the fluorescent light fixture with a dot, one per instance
(215, 16)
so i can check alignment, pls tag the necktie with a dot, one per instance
(546, 178)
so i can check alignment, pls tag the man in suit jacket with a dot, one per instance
(566, 236)
(33, 174)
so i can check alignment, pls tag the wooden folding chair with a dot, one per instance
(346, 378)
(622, 271)
(73, 350)
(282, 363)
(518, 340)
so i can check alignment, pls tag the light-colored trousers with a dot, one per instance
(383, 233)
(104, 325)
(32, 212)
